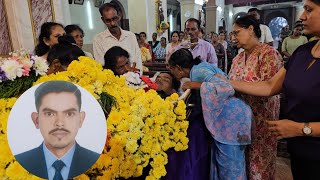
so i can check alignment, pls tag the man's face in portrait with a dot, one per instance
(59, 119)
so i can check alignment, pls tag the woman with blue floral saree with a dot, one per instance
(227, 118)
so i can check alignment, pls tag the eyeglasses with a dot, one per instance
(236, 32)
(108, 21)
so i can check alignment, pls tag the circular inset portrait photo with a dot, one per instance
(57, 130)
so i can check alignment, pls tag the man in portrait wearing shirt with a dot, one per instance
(59, 117)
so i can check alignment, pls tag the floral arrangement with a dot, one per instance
(19, 71)
(136, 81)
(141, 126)
(145, 54)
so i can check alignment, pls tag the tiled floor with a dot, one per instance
(283, 171)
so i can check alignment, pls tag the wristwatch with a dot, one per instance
(306, 129)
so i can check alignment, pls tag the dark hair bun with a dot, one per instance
(66, 40)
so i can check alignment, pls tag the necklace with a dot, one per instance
(314, 56)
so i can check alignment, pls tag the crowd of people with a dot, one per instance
(235, 81)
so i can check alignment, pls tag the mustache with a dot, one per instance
(59, 129)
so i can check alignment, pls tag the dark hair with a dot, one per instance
(73, 27)
(143, 33)
(247, 21)
(183, 58)
(298, 22)
(254, 9)
(174, 32)
(175, 83)
(317, 2)
(66, 51)
(298, 25)
(137, 35)
(45, 32)
(193, 20)
(107, 7)
(164, 38)
(111, 57)
(56, 87)
(202, 31)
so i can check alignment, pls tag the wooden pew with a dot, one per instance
(157, 66)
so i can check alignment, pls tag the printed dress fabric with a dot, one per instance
(261, 65)
(227, 118)
(193, 163)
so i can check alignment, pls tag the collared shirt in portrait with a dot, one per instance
(105, 40)
(51, 158)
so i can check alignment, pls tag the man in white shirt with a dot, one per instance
(266, 36)
(115, 36)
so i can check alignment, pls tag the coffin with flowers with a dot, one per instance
(141, 125)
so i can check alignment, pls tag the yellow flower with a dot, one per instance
(82, 177)
(141, 125)
(16, 172)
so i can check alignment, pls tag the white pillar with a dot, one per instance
(229, 14)
(211, 16)
(187, 8)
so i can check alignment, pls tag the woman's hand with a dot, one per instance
(285, 128)
(191, 85)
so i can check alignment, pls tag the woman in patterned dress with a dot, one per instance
(258, 62)
(300, 83)
(228, 119)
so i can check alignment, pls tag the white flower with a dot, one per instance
(133, 80)
(12, 69)
(40, 65)
(27, 62)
